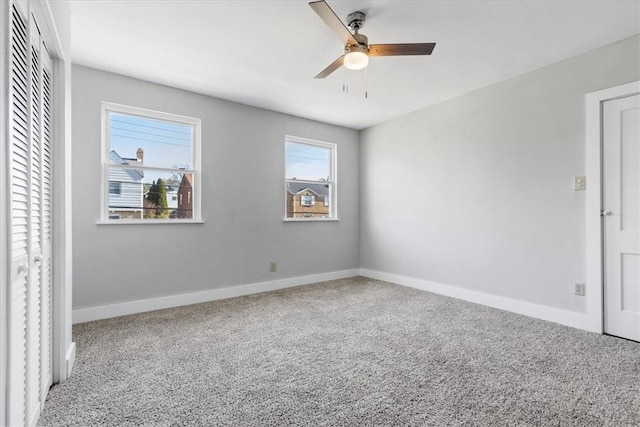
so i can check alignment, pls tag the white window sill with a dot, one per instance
(310, 219)
(146, 222)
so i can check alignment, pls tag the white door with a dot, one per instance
(19, 215)
(30, 334)
(621, 216)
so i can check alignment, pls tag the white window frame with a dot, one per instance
(333, 178)
(109, 107)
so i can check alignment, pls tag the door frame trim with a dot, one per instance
(594, 237)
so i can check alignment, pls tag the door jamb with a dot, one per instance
(594, 237)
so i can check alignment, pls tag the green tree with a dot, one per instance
(151, 201)
(162, 207)
(152, 195)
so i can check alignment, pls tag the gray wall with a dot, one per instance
(242, 202)
(477, 192)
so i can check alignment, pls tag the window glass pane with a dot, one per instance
(308, 162)
(154, 143)
(150, 194)
(115, 187)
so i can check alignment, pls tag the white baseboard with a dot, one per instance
(140, 306)
(564, 317)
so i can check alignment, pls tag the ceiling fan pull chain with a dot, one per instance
(366, 84)
(344, 82)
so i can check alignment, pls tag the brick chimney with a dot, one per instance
(140, 155)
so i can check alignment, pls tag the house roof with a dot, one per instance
(119, 160)
(297, 187)
(187, 180)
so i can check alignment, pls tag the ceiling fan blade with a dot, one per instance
(401, 49)
(331, 68)
(331, 19)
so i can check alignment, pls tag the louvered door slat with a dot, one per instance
(19, 77)
(21, 65)
(20, 99)
(20, 125)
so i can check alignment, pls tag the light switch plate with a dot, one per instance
(579, 183)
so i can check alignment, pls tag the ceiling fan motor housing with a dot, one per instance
(355, 20)
(362, 39)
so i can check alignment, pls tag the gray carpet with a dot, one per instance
(344, 353)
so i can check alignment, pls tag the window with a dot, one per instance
(115, 187)
(146, 155)
(310, 169)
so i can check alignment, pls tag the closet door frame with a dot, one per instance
(4, 206)
(63, 349)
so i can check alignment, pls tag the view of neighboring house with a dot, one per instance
(125, 187)
(307, 200)
(172, 198)
(185, 197)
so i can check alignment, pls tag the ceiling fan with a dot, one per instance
(357, 49)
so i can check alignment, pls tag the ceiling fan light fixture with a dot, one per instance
(356, 58)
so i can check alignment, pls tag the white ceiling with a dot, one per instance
(265, 53)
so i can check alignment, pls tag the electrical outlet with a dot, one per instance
(579, 183)
(579, 289)
(273, 266)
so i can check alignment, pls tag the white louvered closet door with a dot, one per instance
(30, 179)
